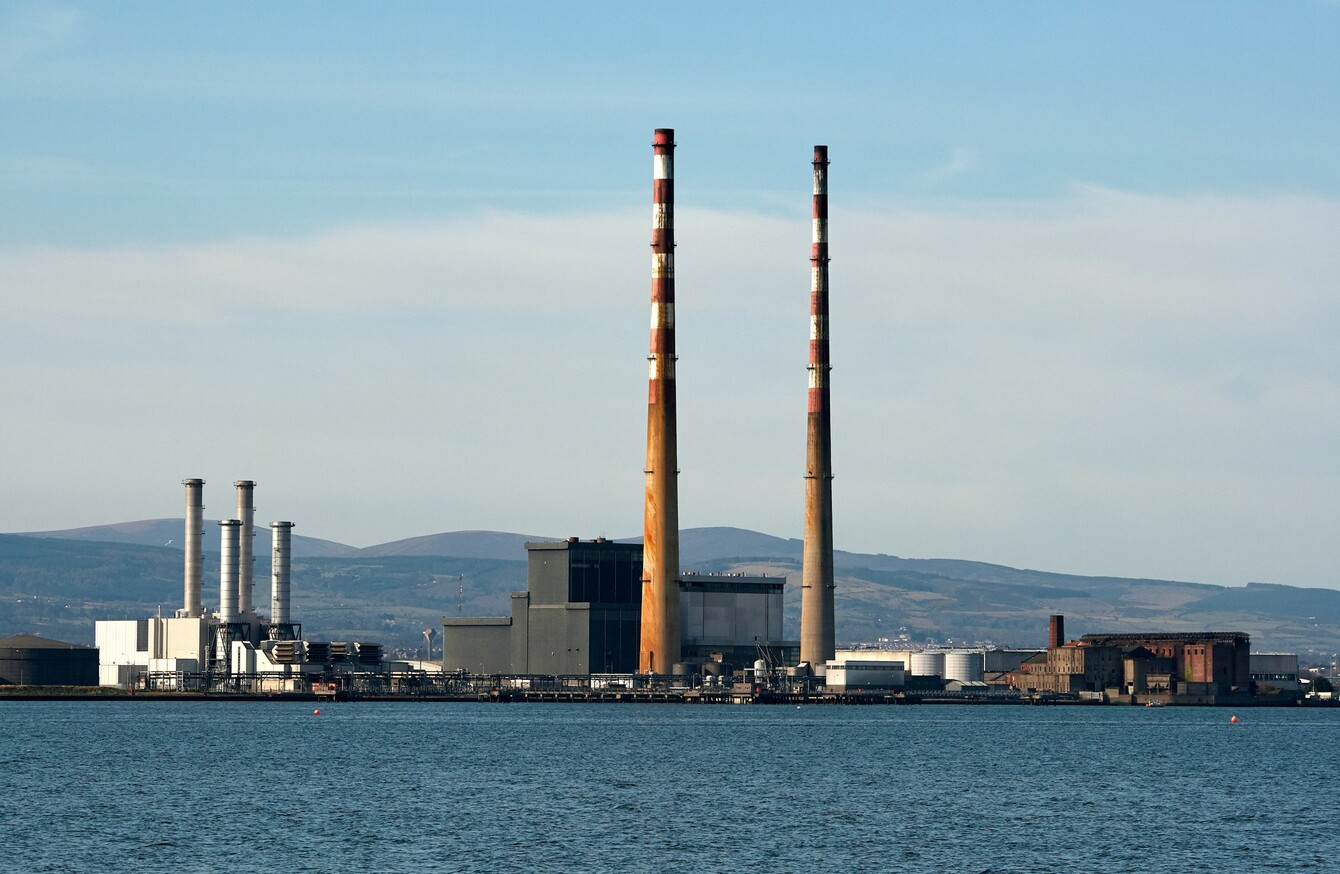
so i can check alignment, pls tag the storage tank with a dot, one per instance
(964, 665)
(29, 660)
(928, 664)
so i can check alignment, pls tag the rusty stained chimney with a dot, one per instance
(1056, 631)
(816, 581)
(658, 649)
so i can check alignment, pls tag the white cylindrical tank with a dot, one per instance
(964, 665)
(280, 543)
(760, 670)
(230, 531)
(928, 664)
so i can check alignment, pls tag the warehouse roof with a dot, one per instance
(32, 641)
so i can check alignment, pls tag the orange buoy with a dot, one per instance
(1234, 719)
(318, 713)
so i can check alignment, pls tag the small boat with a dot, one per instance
(1156, 703)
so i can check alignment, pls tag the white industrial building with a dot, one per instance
(964, 665)
(235, 641)
(864, 675)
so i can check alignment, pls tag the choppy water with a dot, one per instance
(185, 787)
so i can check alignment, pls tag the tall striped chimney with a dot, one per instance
(194, 547)
(659, 647)
(816, 581)
(246, 514)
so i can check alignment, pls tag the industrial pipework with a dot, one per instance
(280, 550)
(246, 514)
(816, 581)
(194, 542)
(658, 650)
(229, 533)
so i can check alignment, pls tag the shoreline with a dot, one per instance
(687, 697)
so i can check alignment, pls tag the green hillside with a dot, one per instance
(57, 587)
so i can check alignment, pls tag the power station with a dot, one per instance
(604, 620)
(687, 624)
(233, 648)
(590, 606)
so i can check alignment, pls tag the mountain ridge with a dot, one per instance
(56, 585)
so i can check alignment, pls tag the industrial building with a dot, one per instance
(943, 665)
(733, 618)
(29, 660)
(868, 675)
(235, 646)
(590, 606)
(1275, 671)
(582, 612)
(1185, 668)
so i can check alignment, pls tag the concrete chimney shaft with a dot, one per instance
(280, 550)
(229, 532)
(246, 563)
(817, 637)
(658, 649)
(193, 544)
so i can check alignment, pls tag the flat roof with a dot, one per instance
(598, 543)
(32, 641)
(730, 582)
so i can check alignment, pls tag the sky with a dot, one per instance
(391, 262)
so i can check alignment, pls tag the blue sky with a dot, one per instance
(391, 263)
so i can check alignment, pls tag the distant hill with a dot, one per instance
(168, 532)
(461, 544)
(56, 583)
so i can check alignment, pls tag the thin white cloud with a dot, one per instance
(962, 160)
(1106, 383)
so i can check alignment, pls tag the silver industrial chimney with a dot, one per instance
(280, 538)
(195, 556)
(229, 532)
(246, 514)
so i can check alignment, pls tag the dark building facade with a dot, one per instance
(585, 604)
(580, 615)
(29, 660)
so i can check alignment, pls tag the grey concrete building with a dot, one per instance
(582, 614)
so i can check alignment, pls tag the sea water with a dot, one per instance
(365, 786)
